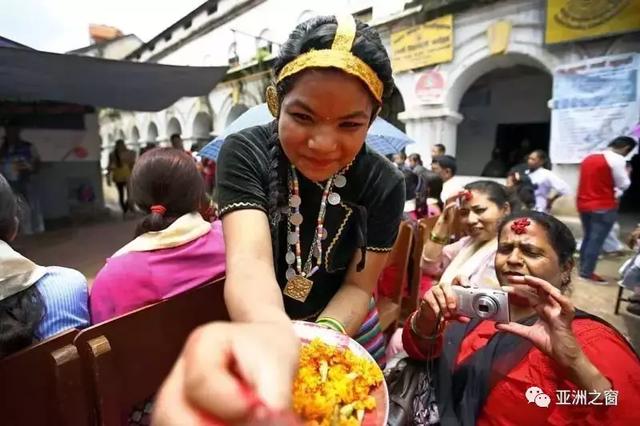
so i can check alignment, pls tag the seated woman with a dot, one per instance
(175, 249)
(480, 207)
(36, 302)
(410, 185)
(428, 194)
(487, 372)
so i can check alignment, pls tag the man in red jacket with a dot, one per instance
(603, 179)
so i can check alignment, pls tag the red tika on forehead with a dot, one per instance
(519, 226)
(466, 195)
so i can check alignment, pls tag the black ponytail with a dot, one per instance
(167, 177)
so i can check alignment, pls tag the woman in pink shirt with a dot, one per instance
(175, 249)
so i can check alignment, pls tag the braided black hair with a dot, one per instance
(316, 33)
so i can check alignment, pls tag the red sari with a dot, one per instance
(506, 403)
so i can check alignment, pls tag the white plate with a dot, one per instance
(308, 331)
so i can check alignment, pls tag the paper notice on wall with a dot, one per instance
(593, 102)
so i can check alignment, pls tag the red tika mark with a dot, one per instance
(520, 226)
(466, 195)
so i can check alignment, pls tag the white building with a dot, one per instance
(117, 48)
(243, 33)
(487, 99)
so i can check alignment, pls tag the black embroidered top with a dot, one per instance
(368, 215)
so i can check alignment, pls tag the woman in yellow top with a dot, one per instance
(120, 165)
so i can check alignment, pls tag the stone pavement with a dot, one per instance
(86, 247)
(83, 247)
(600, 300)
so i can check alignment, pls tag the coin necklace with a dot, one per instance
(298, 277)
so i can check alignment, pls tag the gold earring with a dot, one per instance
(272, 101)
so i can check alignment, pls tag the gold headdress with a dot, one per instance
(339, 56)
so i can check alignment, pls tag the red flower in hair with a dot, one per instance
(520, 226)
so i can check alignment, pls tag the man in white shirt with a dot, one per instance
(548, 185)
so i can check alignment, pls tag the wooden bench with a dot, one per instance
(127, 358)
(44, 385)
(424, 228)
(389, 307)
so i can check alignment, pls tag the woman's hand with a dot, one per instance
(445, 222)
(447, 218)
(221, 365)
(440, 300)
(552, 332)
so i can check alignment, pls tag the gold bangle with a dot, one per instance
(438, 240)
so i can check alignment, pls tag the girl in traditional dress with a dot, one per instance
(309, 214)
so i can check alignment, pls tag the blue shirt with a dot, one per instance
(65, 295)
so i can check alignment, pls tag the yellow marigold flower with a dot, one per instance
(332, 385)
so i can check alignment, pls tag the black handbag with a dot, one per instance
(403, 382)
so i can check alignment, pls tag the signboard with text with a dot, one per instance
(570, 20)
(422, 45)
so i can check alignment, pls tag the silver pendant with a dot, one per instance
(290, 258)
(324, 234)
(292, 238)
(316, 251)
(334, 198)
(340, 181)
(295, 201)
(290, 273)
(296, 219)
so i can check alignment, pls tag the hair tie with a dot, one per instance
(159, 209)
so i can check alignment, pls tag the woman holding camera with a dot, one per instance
(481, 206)
(552, 364)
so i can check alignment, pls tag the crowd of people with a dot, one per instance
(305, 217)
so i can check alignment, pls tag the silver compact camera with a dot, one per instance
(483, 303)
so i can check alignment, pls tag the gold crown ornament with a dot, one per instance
(339, 56)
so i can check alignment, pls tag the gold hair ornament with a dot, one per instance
(339, 56)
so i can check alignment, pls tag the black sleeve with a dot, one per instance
(242, 173)
(384, 216)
